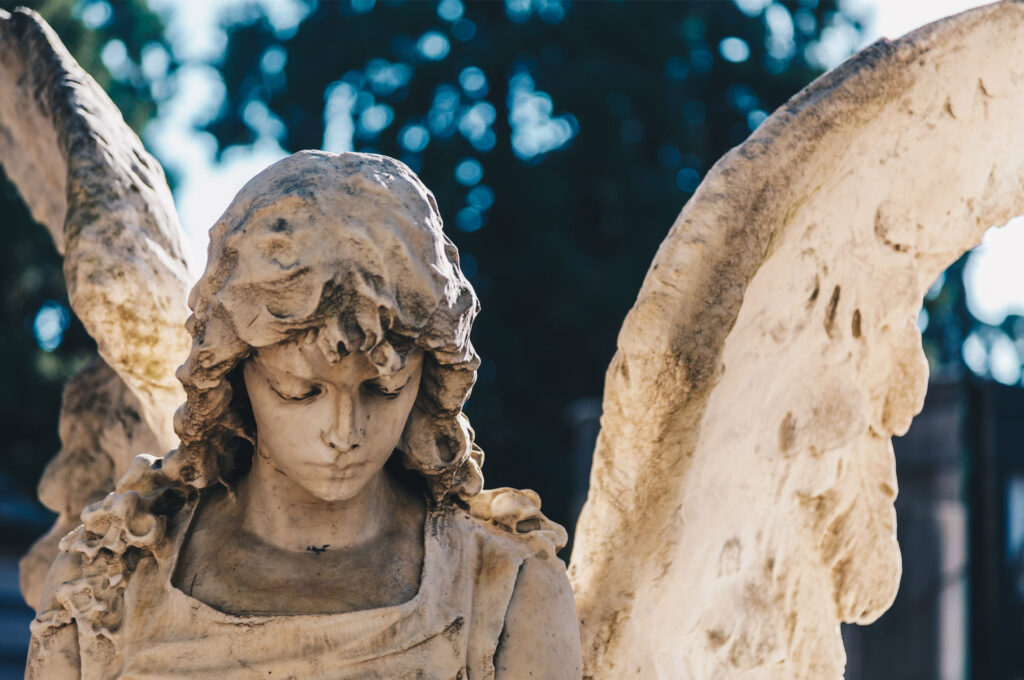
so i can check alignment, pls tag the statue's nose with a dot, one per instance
(346, 432)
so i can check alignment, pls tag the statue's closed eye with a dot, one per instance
(386, 391)
(297, 395)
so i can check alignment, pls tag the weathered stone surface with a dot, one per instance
(101, 430)
(87, 178)
(330, 349)
(741, 496)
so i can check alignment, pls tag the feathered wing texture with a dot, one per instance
(101, 431)
(86, 176)
(741, 496)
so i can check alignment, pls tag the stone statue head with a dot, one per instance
(335, 265)
(333, 256)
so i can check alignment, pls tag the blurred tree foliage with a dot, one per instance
(560, 139)
(41, 344)
(954, 338)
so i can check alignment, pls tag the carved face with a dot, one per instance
(329, 427)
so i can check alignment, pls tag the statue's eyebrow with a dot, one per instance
(295, 368)
(392, 381)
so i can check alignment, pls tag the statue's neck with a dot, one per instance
(287, 516)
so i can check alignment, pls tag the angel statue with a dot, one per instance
(314, 507)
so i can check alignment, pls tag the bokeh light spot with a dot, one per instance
(414, 138)
(550, 11)
(517, 10)
(469, 220)
(340, 100)
(752, 8)
(469, 172)
(261, 120)
(1003, 360)
(922, 320)
(734, 50)
(49, 325)
(473, 81)
(974, 353)
(755, 118)
(114, 56)
(94, 14)
(433, 46)
(154, 61)
(741, 97)
(475, 124)
(450, 10)
(374, 119)
(780, 41)
(481, 197)
(534, 130)
(688, 180)
(273, 60)
(386, 77)
(441, 117)
(804, 21)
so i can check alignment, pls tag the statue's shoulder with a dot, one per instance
(487, 537)
(510, 521)
(522, 600)
(517, 581)
(526, 559)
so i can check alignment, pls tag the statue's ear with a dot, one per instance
(432, 442)
(440, 447)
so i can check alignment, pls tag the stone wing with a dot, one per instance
(741, 493)
(87, 178)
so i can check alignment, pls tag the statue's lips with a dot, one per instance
(338, 471)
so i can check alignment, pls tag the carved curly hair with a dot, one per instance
(349, 247)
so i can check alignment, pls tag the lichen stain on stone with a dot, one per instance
(716, 638)
(830, 312)
(787, 433)
(884, 228)
(814, 293)
(624, 369)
